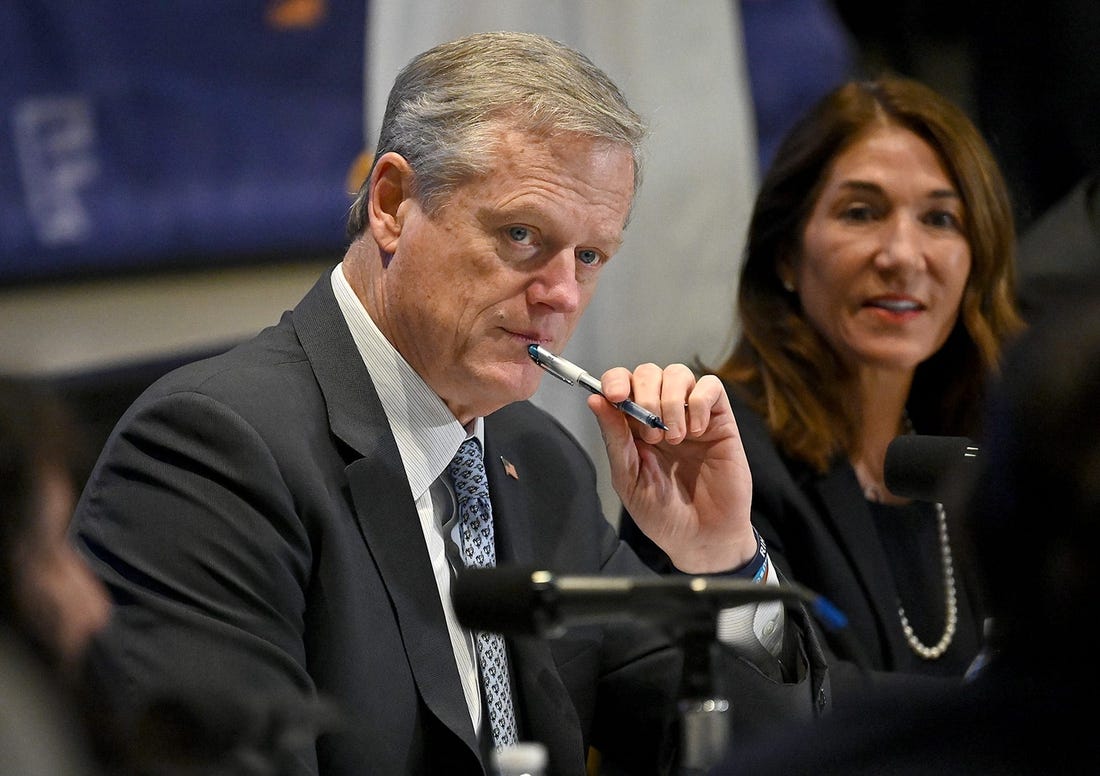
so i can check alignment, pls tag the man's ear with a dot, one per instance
(390, 187)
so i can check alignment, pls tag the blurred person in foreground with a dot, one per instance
(51, 605)
(875, 298)
(274, 523)
(1029, 525)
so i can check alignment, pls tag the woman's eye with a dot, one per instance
(520, 234)
(944, 219)
(589, 257)
(857, 213)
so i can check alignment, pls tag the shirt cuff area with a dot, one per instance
(755, 629)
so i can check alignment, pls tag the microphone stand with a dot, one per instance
(521, 601)
(704, 714)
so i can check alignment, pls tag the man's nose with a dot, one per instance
(555, 283)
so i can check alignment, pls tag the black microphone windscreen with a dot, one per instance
(925, 467)
(501, 599)
(514, 600)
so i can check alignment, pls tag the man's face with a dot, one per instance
(510, 259)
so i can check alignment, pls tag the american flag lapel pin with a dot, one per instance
(509, 468)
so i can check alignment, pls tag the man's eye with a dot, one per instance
(520, 234)
(589, 257)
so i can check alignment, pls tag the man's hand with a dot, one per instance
(688, 488)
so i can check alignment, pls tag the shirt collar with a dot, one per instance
(427, 434)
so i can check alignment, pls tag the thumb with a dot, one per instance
(618, 440)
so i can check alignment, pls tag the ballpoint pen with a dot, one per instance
(571, 374)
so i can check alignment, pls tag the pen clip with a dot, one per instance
(547, 361)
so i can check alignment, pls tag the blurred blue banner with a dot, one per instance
(137, 135)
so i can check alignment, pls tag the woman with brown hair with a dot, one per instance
(876, 295)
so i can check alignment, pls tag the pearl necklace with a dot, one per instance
(952, 616)
(950, 601)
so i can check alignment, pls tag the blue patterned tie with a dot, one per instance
(472, 489)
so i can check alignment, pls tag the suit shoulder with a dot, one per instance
(265, 375)
(524, 417)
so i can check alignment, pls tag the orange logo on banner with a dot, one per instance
(286, 14)
(358, 171)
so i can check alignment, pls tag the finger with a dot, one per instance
(643, 387)
(617, 384)
(707, 395)
(677, 382)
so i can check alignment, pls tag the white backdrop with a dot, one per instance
(669, 294)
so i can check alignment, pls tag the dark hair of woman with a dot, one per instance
(781, 365)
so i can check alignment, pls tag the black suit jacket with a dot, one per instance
(253, 520)
(1017, 718)
(820, 532)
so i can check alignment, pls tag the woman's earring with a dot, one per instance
(788, 286)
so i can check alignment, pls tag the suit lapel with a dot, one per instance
(392, 531)
(383, 505)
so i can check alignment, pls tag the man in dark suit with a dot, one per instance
(275, 523)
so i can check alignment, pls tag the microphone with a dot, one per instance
(516, 600)
(927, 467)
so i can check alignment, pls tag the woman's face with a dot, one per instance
(884, 257)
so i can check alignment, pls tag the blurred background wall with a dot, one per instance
(174, 175)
